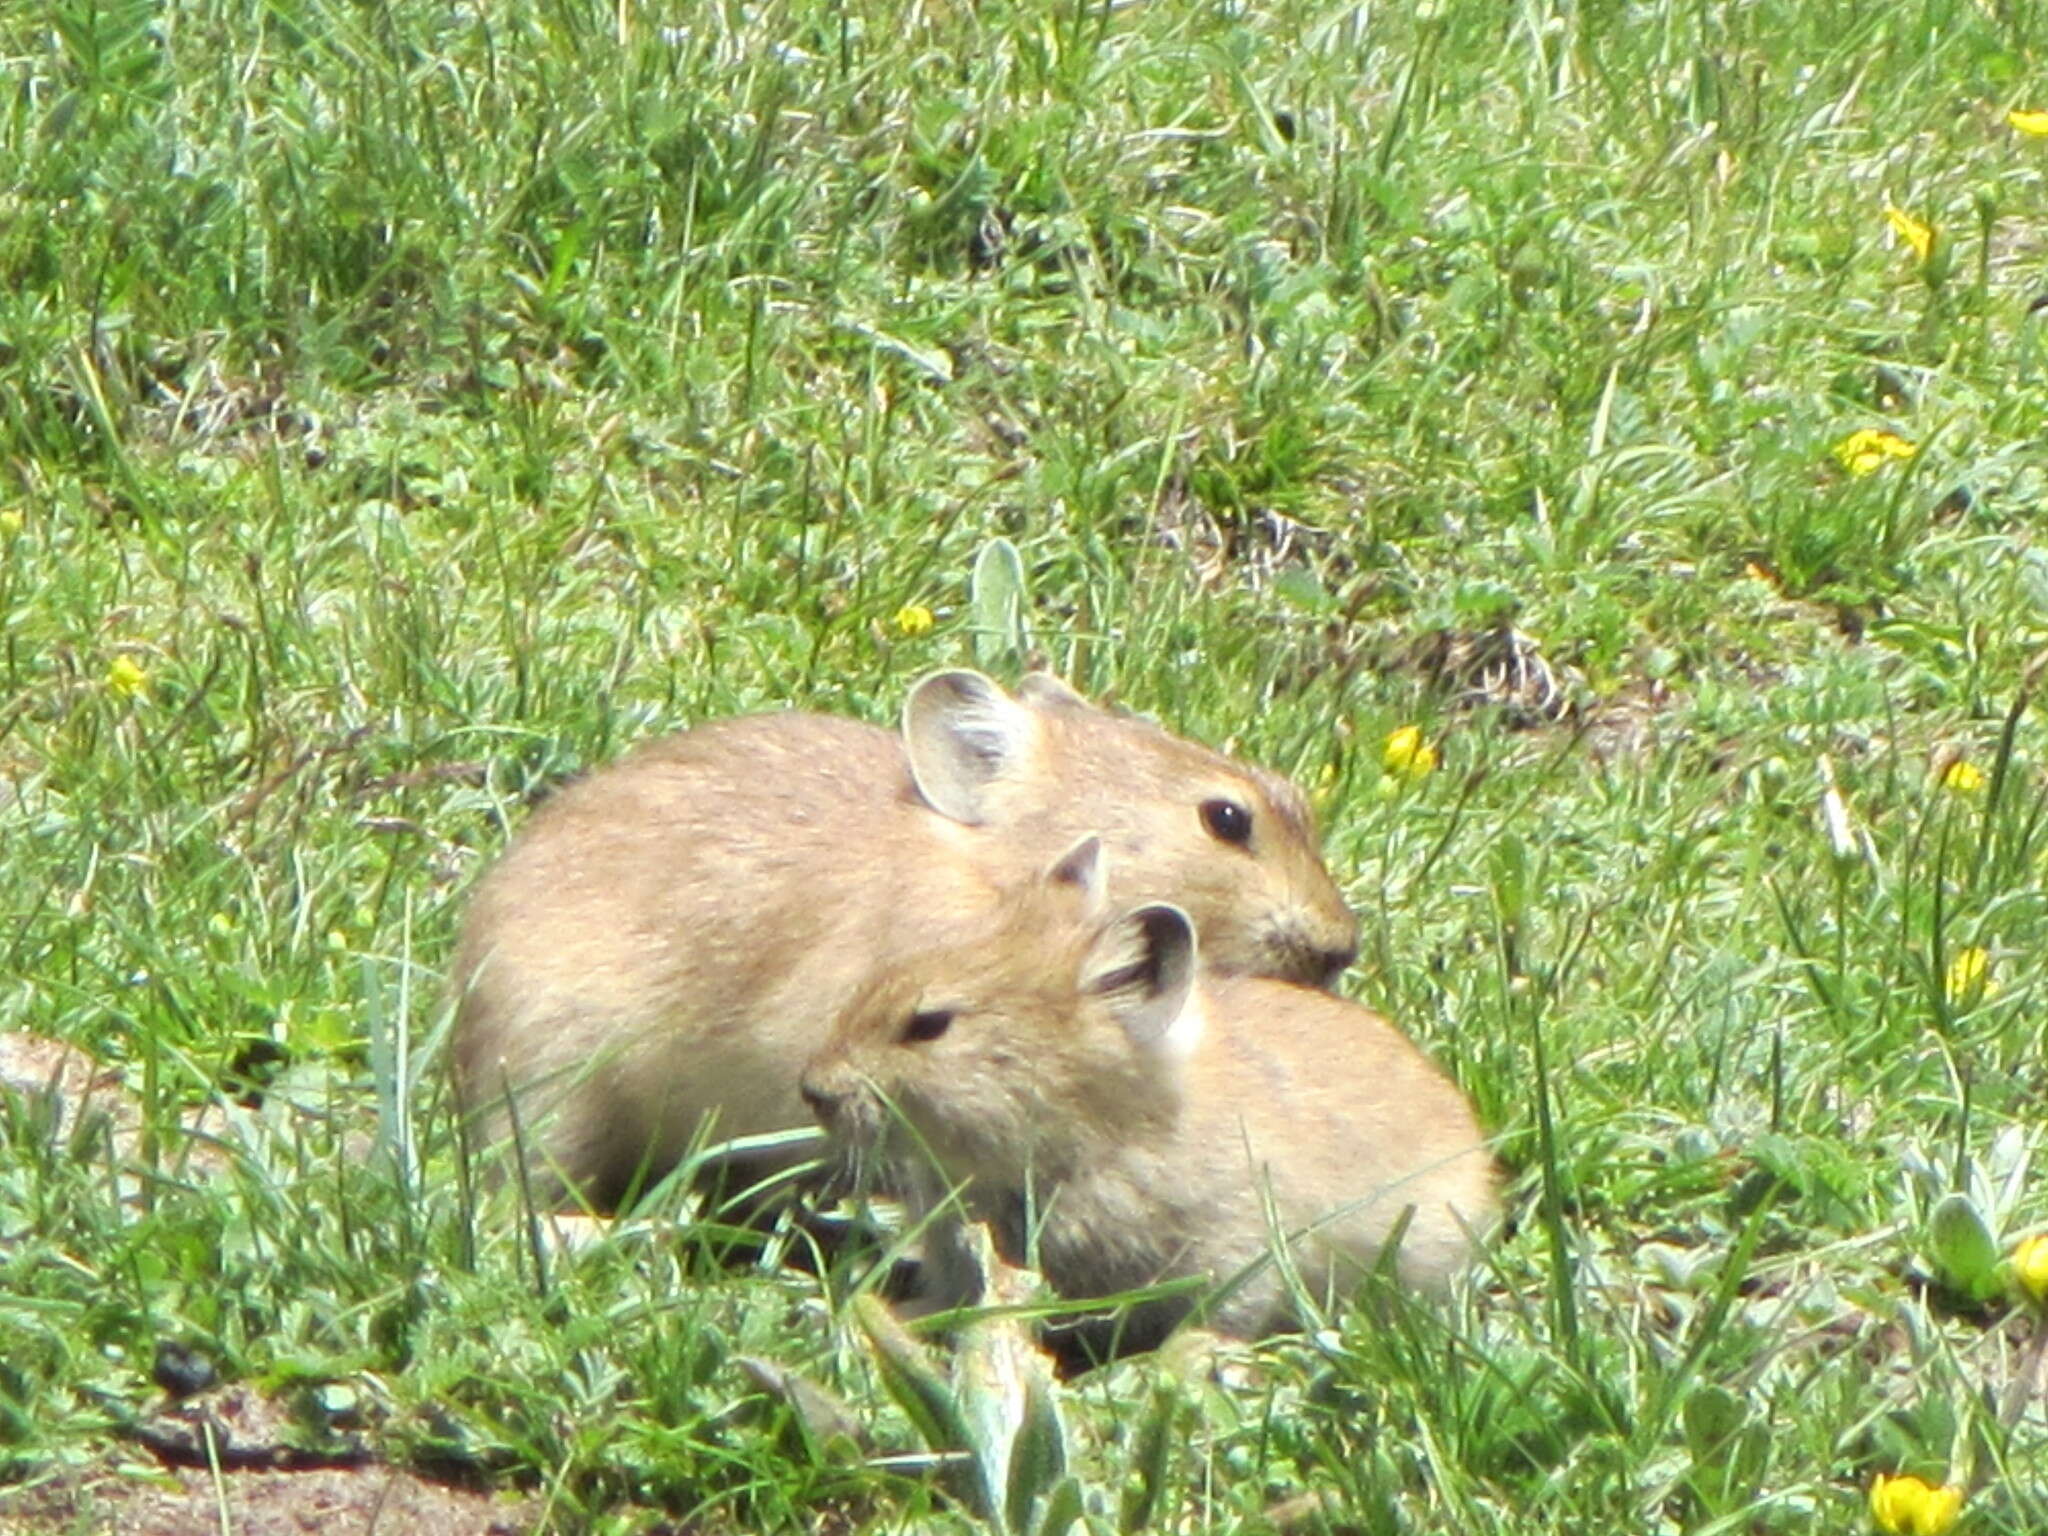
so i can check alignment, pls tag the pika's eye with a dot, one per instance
(927, 1024)
(1227, 821)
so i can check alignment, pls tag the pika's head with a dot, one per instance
(1232, 845)
(1019, 1052)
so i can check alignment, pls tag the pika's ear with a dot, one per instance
(1085, 866)
(1041, 690)
(964, 735)
(1143, 967)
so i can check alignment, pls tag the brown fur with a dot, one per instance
(1163, 1124)
(666, 942)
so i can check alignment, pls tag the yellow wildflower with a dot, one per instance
(1909, 1506)
(1917, 235)
(914, 619)
(1964, 777)
(126, 679)
(2030, 1267)
(10, 523)
(1969, 975)
(1868, 449)
(2033, 124)
(1407, 755)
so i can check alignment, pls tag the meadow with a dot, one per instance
(406, 405)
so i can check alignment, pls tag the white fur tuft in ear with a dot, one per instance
(964, 735)
(1085, 866)
(1143, 966)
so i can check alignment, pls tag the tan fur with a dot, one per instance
(1162, 1126)
(667, 941)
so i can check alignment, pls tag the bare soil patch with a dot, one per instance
(185, 1502)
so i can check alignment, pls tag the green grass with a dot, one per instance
(431, 400)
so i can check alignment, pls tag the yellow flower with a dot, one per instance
(1969, 975)
(914, 619)
(2033, 124)
(1908, 1506)
(1964, 777)
(1868, 449)
(10, 523)
(126, 679)
(1917, 235)
(1407, 756)
(2030, 1267)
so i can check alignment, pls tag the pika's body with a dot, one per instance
(667, 942)
(1124, 1120)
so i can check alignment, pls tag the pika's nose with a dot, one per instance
(820, 1101)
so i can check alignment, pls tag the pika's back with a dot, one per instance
(1290, 1055)
(726, 778)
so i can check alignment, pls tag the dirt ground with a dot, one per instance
(343, 1501)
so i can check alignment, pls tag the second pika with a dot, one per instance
(1126, 1121)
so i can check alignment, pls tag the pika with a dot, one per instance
(666, 942)
(1123, 1119)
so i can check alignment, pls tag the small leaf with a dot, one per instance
(2008, 1165)
(1062, 1509)
(1727, 1449)
(997, 597)
(1038, 1456)
(1712, 1416)
(1485, 603)
(1749, 1457)
(1304, 589)
(826, 1422)
(909, 1376)
(1154, 1455)
(992, 1415)
(934, 364)
(1006, 1397)
(1508, 864)
(1964, 1252)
